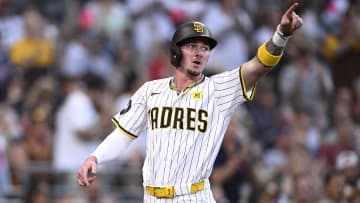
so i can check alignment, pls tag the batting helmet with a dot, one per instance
(187, 31)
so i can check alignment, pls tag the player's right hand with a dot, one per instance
(87, 172)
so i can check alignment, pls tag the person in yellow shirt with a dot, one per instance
(32, 55)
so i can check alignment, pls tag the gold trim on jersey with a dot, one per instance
(173, 86)
(125, 132)
(244, 89)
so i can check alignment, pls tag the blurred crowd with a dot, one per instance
(67, 66)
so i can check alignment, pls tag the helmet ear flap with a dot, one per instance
(176, 55)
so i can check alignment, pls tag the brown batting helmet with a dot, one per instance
(187, 31)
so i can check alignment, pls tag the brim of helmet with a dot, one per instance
(210, 41)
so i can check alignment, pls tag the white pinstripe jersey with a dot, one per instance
(184, 131)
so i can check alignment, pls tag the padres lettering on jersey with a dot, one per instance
(184, 131)
(178, 118)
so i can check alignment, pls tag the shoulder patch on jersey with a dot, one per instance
(197, 95)
(127, 108)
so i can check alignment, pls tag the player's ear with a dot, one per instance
(175, 55)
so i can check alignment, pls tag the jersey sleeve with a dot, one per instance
(230, 90)
(131, 120)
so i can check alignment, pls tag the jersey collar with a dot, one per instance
(173, 86)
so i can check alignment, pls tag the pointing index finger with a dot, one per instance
(291, 9)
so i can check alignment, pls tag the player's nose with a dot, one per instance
(198, 53)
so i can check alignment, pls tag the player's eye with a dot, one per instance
(205, 48)
(194, 47)
(191, 46)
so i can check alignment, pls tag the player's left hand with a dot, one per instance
(290, 21)
(87, 172)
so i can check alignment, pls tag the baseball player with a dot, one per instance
(187, 115)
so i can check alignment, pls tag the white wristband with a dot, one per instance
(278, 39)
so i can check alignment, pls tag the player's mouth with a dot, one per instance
(196, 63)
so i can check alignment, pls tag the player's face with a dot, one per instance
(196, 54)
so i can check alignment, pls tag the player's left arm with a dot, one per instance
(270, 53)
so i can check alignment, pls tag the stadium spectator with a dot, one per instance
(34, 54)
(311, 85)
(334, 184)
(354, 197)
(151, 26)
(345, 139)
(229, 23)
(232, 168)
(75, 55)
(106, 18)
(264, 114)
(307, 189)
(347, 162)
(341, 106)
(76, 128)
(11, 26)
(341, 46)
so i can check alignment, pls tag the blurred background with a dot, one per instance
(66, 67)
